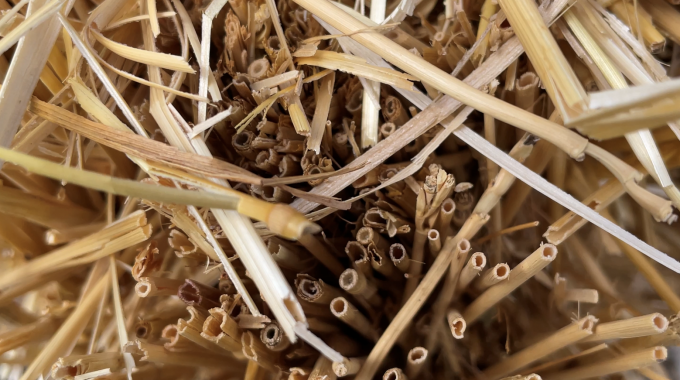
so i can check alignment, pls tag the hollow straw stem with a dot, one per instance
(534, 263)
(470, 271)
(348, 367)
(445, 297)
(574, 332)
(646, 325)
(319, 250)
(550, 64)
(434, 241)
(640, 359)
(349, 314)
(399, 257)
(443, 224)
(492, 276)
(415, 361)
(456, 323)
(69, 331)
(408, 311)
(394, 374)
(370, 111)
(429, 74)
(356, 283)
(541, 367)
(651, 274)
(157, 286)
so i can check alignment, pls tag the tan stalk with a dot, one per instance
(534, 263)
(568, 335)
(157, 286)
(348, 367)
(394, 374)
(640, 359)
(415, 361)
(556, 362)
(552, 67)
(492, 276)
(456, 323)
(645, 325)
(64, 339)
(641, 141)
(349, 314)
(166, 61)
(369, 109)
(320, 118)
(471, 270)
(28, 60)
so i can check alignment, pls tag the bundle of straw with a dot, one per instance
(315, 189)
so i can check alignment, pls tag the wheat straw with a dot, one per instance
(626, 362)
(573, 333)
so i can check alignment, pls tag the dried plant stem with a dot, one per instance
(655, 279)
(641, 141)
(356, 283)
(434, 241)
(552, 67)
(323, 370)
(22, 205)
(489, 8)
(349, 314)
(320, 118)
(665, 16)
(486, 73)
(492, 276)
(370, 111)
(445, 297)
(471, 270)
(636, 327)
(28, 60)
(552, 363)
(394, 374)
(116, 236)
(63, 340)
(69, 234)
(640, 22)
(439, 267)
(442, 81)
(348, 367)
(456, 323)
(622, 363)
(158, 354)
(32, 332)
(520, 274)
(318, 250)
(415, 361)
(157, 286)
(568, 335)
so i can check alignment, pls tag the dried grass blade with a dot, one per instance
(35, 19)
(27, 64)
(196, 47)
(320, 118)
(166, 61)
(137, 146)
(358, 67)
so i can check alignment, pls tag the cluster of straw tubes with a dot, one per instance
(321, 14)
(435, 246)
